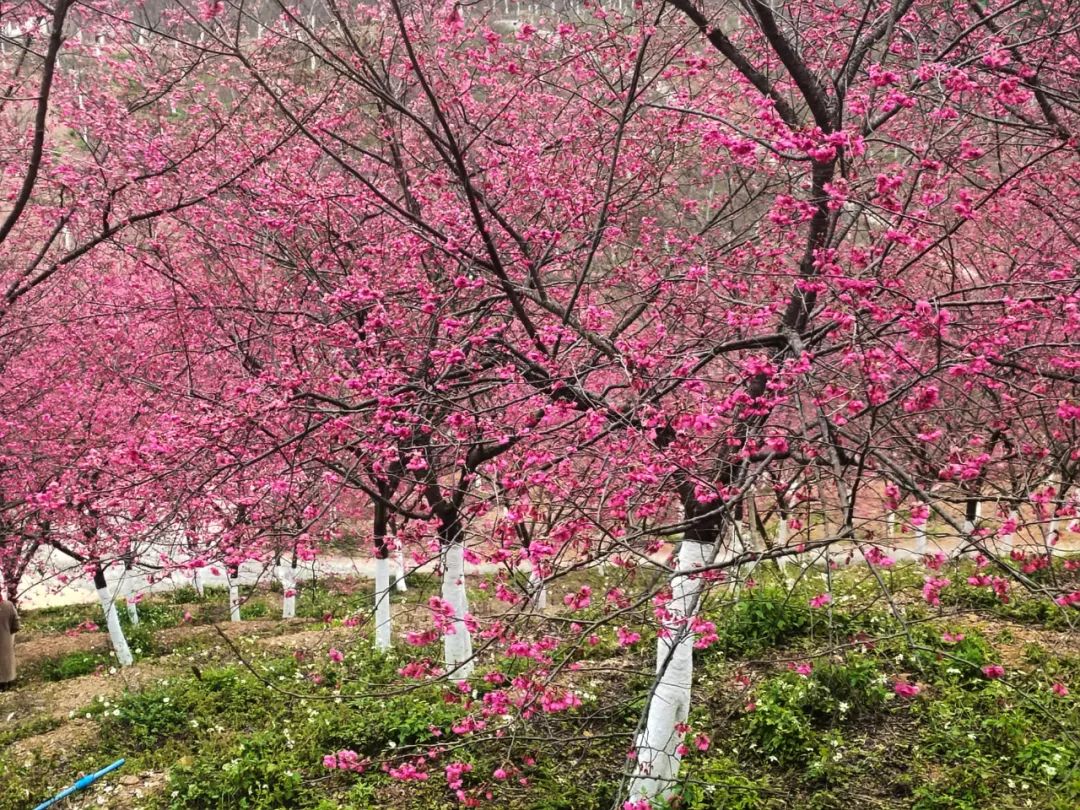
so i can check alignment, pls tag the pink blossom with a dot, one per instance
(345, 760)
(627, 637)
(1060, 689)
(905, 689)
(993, 671)
(821, 600)
(408, 772)
(932, 587)
(336, 655)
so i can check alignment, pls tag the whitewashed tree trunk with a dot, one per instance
(234, 599)
(783, 534)
(890, 525)
(1007, 540)
(657, 746)
(538, 589)
(399, 561)
(750, 540)
(1051, 530)
(738, 546)
(288, 585)
(197, 580)
(112, 621)
(457, 646)
(382, 603)
(920, 539)
(132, 605)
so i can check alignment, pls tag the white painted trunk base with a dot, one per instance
(399, 579)
(116, 635)
(920, 539)
(234, 600)
(1008, 540)
(457, 646)
(382, 604)
(744, 544)
(197, 580)
(538, 590)
(1051, 532)
(783, 534)
(288, 586)
(658, 758)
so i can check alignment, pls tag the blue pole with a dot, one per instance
(86, 781)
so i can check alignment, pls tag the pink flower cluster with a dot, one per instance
(932, 587)
(345, 760)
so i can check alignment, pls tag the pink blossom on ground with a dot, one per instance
(993, 671)
(905, 689)
(820, 600)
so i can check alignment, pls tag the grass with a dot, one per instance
(793, 707)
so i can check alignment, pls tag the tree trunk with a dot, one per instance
(783, 534)
(383, 626)
(382, 604)
(538, 589)
(112, 620)
(1007, 539)
(129, 599)
(657, 746)
(232, 573)
(457, 645)
(399, 560)
(288, 585)
(920, 540)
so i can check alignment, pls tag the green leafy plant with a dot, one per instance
(72, 665)
(254, 774)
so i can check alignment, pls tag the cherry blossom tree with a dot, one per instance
(607, 287)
